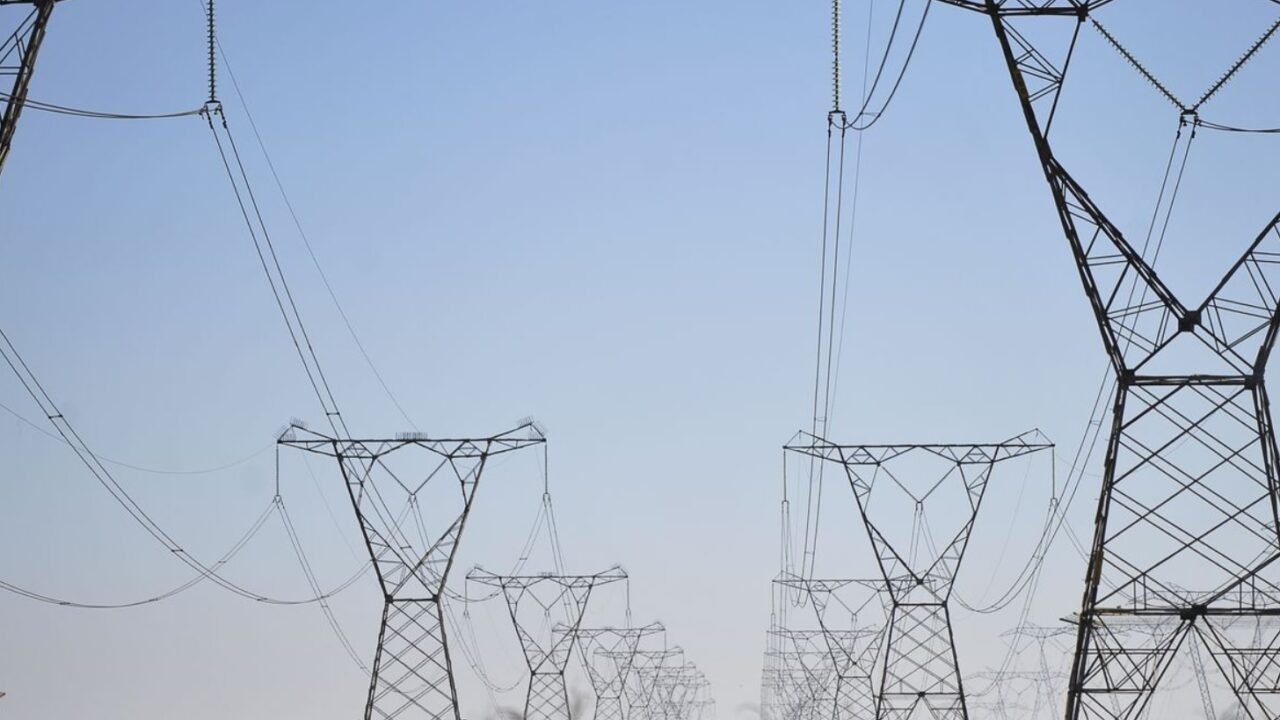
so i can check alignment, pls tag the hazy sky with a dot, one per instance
(602, 215)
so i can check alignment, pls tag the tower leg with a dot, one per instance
(609, 708)
(921, 670)
(548, 697)
(855, 698)
(411, 670)
(1185, 541)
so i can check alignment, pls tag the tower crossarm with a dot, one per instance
(1029, 442)
(384, 478)
(524, 435)
(970, 465)
(1023, 8)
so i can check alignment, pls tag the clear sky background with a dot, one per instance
(602, 215)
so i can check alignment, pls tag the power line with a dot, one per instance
(857, 123)
(142, 468)
(97, 468)
(95, 114)
(216, 43)
(279, 284)
(222, 561)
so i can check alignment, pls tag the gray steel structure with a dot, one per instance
(1187, 532)
(675, 691)
(609, 655)
(637, 692)
(412, 673)
(920, 669)
(854, 650)
(805, 674)
(547, 697)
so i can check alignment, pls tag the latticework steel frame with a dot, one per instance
(637, 689)
(854, 650)
(609, 654)
(18, 51)
(920, 668)
(548, 658)
(1006, 695)
(1186, 531)
(674, 691)
(412, 673)
(807, 674)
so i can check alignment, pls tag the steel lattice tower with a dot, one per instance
(637, 690)
(18, 51)
(808, 673)
(920, 668)
(547, 658)
(412, 669)
(1006, 696)
(1186, 529)
(675, 691)
(609, 654)
(854, 650)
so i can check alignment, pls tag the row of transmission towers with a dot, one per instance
(412, 496)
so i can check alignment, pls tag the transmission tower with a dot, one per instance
(18, 52)
(637, 688)
(808, 673)
(675, 691)
(609, 655)
(780, 698)
(412, 673)
(855, 649)
(1031, 690)
(682, 696)
(1186, 527)
(547, 657)
(920, 668)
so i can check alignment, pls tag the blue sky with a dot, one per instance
(602, 215)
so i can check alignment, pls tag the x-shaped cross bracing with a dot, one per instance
(1187, 534)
